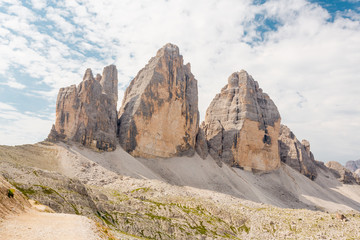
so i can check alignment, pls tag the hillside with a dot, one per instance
(181, 198)
(29, 220)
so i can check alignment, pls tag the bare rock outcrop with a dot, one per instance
(201, 146)
(242, 125)
(343, 174)
(159, 115)
(87, 113)
(353, 165)
(296, 154)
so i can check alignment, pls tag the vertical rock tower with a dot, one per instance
(159, 115)
(242, 125)
(296, 154)
(87, 113)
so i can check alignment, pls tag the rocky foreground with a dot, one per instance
(134, 200)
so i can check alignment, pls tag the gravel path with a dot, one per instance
(34, 225)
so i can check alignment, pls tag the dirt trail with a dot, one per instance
(34, 225)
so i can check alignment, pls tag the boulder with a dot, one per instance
(87, 113)
(159, 115)
(242, 125)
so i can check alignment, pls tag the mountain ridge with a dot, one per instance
(150, 171)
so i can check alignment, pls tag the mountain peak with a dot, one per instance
(159, 115)
(87, 113)
(88, 75)
(242, 125)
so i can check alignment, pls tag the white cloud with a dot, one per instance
(309, 66)
(20, 128)
(6, 107)
(38, 4)
(11, 82)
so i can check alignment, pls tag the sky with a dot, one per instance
(304, 54)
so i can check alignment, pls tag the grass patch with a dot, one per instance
(153, 216)
(243, 228)
(48, 190)
(199, 228)
(25, 191)
(142, 189)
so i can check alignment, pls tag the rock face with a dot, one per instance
(87, 113)
(242, 125)
(201, 146)
(295, 154)
(353, 165)
(343, 174)
(159, 114)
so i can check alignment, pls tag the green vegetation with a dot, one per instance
(49, 191)
(26, 191)
(11, 192)
(142, 189)
(152, 216)
(244, 228)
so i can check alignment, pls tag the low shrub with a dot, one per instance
(11, 193)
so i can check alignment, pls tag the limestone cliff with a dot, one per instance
(87, 113)
(159, 114)
(242, 125)
(201, 146)
(343, 174)
(296, 154)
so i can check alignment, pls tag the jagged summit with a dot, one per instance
(159, 118)
(169, 48)
(296, 154)
(242, 125)
(87, 113)
(159, 115)
(88, 75)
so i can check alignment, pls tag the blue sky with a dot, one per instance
(304, 54)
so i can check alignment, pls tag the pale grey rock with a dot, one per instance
(353, 165)
(295, 154)
(109, 82)
(343, 174)
(242, 125)
(88, 75)
(87, 113)
(159, 115)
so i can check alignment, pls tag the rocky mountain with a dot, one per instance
(239, 175)
(353, 165)
(87, 113)
(296, 154)
(242, 125)
(159, 115)
(343, 174)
